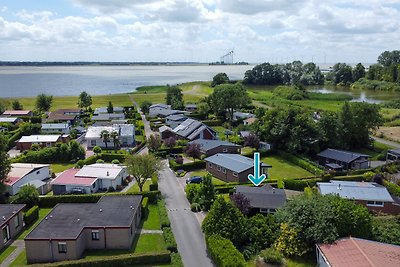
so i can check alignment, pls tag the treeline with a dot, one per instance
(288, 74)
(295, 130)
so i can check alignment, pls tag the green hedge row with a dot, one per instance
(11, 141)
(299, 185)
(393, 189)
(145, 206)
(199, 164)
(31, 215)
(112, 261)
(303, 163)
(173, 150)
(169, 239)
(51, 201)
(108, 157)
(162, 212)
(176, 260)
(224, 253)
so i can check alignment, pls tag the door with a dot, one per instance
(6, 233)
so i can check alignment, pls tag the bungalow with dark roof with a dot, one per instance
(371, 195)
(64, 115)
(350, 251)
(174, 120)
(233, 167)
(339, 160)
(264, 199)
(212, 147)
(191, 107)
(71, 228)
(191, 129)
(17, 113)
(393, 155)
(10, 222)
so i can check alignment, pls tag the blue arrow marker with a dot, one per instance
(256, 179)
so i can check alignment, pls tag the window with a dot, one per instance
(224, 170)
(375, 203)
(225, 150)
(95, 235)
(93, 142)
(16, 221)
(6, 233)
(210, 165)
(94, 185)
(263, 210)
(62, 247)
(235, 174)
(219, 168)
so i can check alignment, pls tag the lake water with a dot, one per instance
(99, 80)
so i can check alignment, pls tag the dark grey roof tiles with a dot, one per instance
(340, 155)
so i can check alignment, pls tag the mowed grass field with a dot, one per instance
(60, 102)
(282, 168)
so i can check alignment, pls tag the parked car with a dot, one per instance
(194, 180)
(76, 191)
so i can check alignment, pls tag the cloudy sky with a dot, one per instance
(198, 30)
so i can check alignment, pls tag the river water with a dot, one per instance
(99, 80)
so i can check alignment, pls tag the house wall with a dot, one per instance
(321, 261)
(15, 229)
(43, 174)
(39, 251)
(388, 207)
(27, 145)
(128, 140)
(63, 131)
(352, 165)
(229, 176)
(220, 149)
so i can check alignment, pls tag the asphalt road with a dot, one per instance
(184, 224)
(386, 142)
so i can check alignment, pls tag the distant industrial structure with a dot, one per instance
(227, 59)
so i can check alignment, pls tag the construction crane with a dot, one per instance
(227, 58)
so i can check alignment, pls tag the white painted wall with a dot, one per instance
(40, 174)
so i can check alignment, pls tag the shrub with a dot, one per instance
(224, 253)
(99, 161)
(169, 239)
(153, 187)
(195, 207)
(299, 185)
(111, 189)
(11, 141)
(176, 260)
(272, 256)
(145, 206)
(162, 212)
(392, 188)
(192, 191)
(115, 161)
(180, 173)
(31, 215)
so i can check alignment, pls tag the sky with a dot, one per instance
(198, 30)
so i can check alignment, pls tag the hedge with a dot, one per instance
(299, 185)
(11, 141)
(173, 150)
(108, 157)
(212, 122)
(176, 260)
(51, 201)
(153, 187)
(356, 178)
(162, 211)
(224, 253)
(199, 164)
(301, 162)
(31, 215)
(145, 206)
(118, 260)
(169, 239)
(392, 188)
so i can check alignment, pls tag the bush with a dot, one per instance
(162, 212)
(195, 207)
(169, 239)
(176, 260)
(31, 215)
(145, 206)
(224, 253)
(115, 161)
(118, 260)
(393, 189)
(99, 161)
(192, 190)
(299, 185)
(180, 173)
(11, 141)
(108, 157)
(272, 256)
(153, 187)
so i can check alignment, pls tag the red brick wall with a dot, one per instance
(220, 149)
(228, 176)
(388, 207)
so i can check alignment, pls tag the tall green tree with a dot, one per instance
(388, 58)
(115, 138)
(105, 136)
(110, 107)
(203, 108)
(4, 162)
(358, 72)
(174, 97)
(154, 142)
(28, 195)
(228, 98)
(220, 78)
(207, 191)
(16, 105)
(145, 106)
(347, 126)
(84, 100)
(143, 167)
(43, 102)
(341, 73)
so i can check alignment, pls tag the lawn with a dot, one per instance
(135, 187)
(220, 132)
(60, 167)
(4, 253)
(42, 214)
(152, 220)
(282, 168)
(71, 101)
(20, 260)
(202, 173)
(305, 261)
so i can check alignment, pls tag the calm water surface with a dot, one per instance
(98, 80)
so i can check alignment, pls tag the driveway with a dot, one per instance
(13, 152)
(386, 142)
(184, 224)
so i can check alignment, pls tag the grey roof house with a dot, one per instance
(103, 110)
(71, 228)
(126, 135)
(372, 195)
(191, 129)
(173, 121)
(64, 128)
(334, 159)
(10, 222)
(264, 199)
(237, 115)
(212, 147)
(233, 167)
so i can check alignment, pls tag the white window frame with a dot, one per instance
(95, 235)
(235, 174)
(262, 210)
(219, 168)
(375, 203)
(225, 150)
(210, 165)
(224, 170)
(17, 222)
(62, 247)
(93, 142)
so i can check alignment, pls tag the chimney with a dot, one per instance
(273, 190)
(101, 210)
(108, 173)
(339, 187)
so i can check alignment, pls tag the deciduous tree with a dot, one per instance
(43, 102)
(154, 142)
(16, 105)
(84, 100)
(143, 167)
(105, 135)
(4, 162)
(220, 78)
(241, 202)
(28, 195)
(145, 106)
(110, 107)
(193, 150)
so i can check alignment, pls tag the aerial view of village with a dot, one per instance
(199, 133)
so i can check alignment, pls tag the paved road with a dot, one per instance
(386, 142)
(185, 226)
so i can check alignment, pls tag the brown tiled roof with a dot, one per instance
(355, 252)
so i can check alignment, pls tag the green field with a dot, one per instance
(282, 168)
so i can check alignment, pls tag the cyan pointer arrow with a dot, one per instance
(256, 179)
